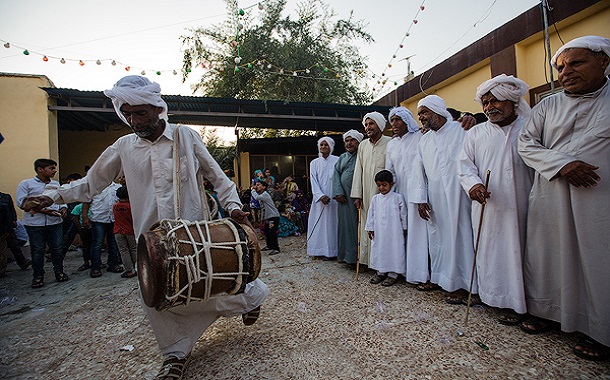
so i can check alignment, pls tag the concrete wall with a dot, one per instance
(28, 127)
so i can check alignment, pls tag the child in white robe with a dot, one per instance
(386, 225)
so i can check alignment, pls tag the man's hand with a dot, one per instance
(424, 210)
(324, 199)
(341, 199)
(358, 203)
(241, 217)
(371, 234)
(36, 203)
(579, 173)
(479, 193)
(467, 122)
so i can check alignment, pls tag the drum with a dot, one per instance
(181, 261)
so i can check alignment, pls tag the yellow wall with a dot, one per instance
(457, 91)
(28, 127)
(80, 148)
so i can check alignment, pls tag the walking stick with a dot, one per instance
(476, 248)
(358, 245)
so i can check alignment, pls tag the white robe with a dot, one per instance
(403, 160)
(387, 218)
(148, 170)
(502, 238)
(322, 225)
(567, 259)
(370, 160)
(449, 228)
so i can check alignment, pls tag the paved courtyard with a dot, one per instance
(318, 323)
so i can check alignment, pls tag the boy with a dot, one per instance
(123, 232)
(44, 228)
(386, 225)
(269, 214)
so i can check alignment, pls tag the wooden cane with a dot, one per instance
(476, 247)
(358, 245)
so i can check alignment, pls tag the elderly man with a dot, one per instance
(369, 161)
(567, 142)
(403, 160)
(322, 224)
(342, 187)
(146, 158)
(448, 208)
(493, 146)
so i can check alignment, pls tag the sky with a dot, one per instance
(145, 35)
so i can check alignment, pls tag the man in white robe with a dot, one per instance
(493, 146)
(404, 161)
(146, 159)
(370, 160)
(567, 142)
(322, 225)
(448, 208)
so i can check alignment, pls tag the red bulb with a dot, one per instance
(414, 21)
(45, 59)
(422, 7)
(127, 68)
(81, 63)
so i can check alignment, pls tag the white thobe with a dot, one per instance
(369, 161)
(387, 218)
(403, 160)
(322, 225)
(148, 169)
(567, 259)
(449, 228)
(502, 238)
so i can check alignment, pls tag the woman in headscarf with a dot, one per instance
(323, 216)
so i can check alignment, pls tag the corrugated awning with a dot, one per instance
(92, 110)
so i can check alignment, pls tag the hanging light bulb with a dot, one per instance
(45, 59)
(414, 21)
(113, 63)
(127, 68)
(98, 62)
(422, 7)
(237, 60)
(158, 73)
(143, 72)
(26, 52)
(174, 72)
(260, 6)
(81, 63)
(308, 71)
(294, 74)
(7, 45)
(62, 61)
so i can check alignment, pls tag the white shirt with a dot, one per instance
(32, 187)
(101, 206)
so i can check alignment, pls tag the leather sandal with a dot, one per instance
(251, 317)
(37, 282)
(61, 277)
(173, 368)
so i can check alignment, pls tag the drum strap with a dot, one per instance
(177, 193)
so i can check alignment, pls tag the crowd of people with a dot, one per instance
(512, 212)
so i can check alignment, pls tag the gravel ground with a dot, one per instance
(318, 323)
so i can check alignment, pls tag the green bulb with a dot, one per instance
(158, 73)
(25, 52)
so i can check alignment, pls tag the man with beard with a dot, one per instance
(342, 187)
(369, 161)
(146, 159)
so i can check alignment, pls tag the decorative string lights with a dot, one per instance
(383, 79)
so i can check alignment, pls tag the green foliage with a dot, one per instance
(316, 40)
(223, 154)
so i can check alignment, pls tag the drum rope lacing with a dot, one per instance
(192, 262)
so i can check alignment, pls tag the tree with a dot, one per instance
(223, 154)
(310, 59)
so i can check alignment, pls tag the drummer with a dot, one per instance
(145, 158)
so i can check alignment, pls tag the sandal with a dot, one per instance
(129, 274)
(61, 277)
(37, 282)
(378, 279)
(427, 287)
(508, 317)
(536, 325)
(389, 281)
(83, 267)
(95, 273)
(589, 349)
(251, 317)
(474, 300)
(173, 368)
(458, 297)
(115, 269)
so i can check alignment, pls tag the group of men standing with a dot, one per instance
(542, 242)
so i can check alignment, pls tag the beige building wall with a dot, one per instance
(28, 127)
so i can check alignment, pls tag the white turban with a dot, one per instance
(136, 90)
(506, 87)
(329, 141)
(437, 105)
(406, 116)
(593, 43)
(353, 134)
(377, 118)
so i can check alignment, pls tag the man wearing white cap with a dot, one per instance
(370, 160)
(493, 146)
(342, 187)
(146, 159)
(567, 142)
(403, 160)
(322, 223)
(448, 208)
